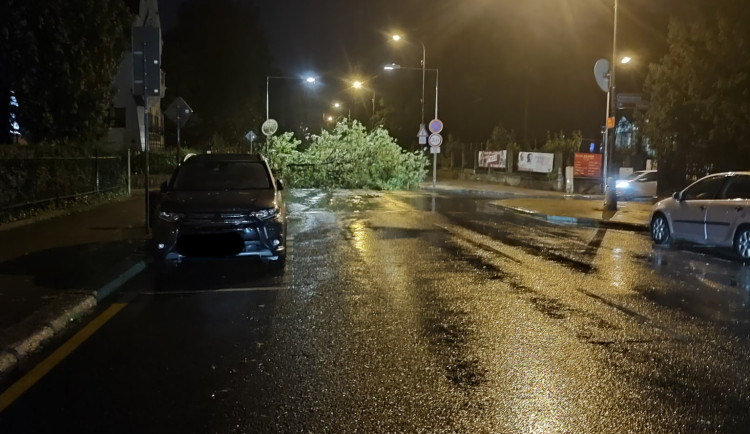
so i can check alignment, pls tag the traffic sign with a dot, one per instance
(178, 112)
(251, 136)
(422, 134)
(435, 140)
(436, 126)
(434, 149)
(269, 127)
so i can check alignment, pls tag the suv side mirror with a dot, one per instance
(677, 196)
(279, 184)
(163, 187)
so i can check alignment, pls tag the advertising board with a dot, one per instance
(587, 165)
(535, 162)
(492, 159)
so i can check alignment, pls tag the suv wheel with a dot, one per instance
(742, 244)
(660, 229)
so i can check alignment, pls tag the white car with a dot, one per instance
(714, 210)
(638, 184)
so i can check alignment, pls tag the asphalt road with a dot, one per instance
(404, 312)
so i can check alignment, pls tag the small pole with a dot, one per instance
(96, 168)
(145, 137)
(129, 181)
(179, 109)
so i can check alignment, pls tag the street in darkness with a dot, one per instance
(407, 312)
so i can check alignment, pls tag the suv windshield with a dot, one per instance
(222, 176)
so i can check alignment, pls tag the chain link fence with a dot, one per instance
(36, 182)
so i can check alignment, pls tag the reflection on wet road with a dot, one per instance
(408, 312)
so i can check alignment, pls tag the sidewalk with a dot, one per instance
(554, 206)
(52, 271)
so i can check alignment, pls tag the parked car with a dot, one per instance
(714, 210)
(641, 183)
(221, 205)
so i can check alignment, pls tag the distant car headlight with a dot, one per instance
(622, 184)
(171, 216)
(265, 214)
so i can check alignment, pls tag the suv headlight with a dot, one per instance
(265, 214)
(622, 184)
(171, 217)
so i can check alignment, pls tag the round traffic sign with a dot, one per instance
(269, 127)
(436, 126)
(435, 140)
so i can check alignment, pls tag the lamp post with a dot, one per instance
(360, 85)
(424, 68)
(610, 196)
(309, 80)
(393, 66)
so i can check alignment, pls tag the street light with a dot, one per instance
(359, 85)
(309, 80)
(397, 38)
(394, 66)
(610, 197)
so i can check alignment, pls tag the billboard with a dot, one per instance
(535, 162)
(492, 159)
(587, 165)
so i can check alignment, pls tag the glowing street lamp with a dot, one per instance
(309, 80)
(398, 38)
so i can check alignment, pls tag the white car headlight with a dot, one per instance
(170, 216)
(622, 184)
(265, 214)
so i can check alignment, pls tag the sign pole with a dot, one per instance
(178, 136)
(145, 137)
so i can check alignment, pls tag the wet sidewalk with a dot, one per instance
(553, 206)
(54, 270)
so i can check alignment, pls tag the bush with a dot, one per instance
(349, 156)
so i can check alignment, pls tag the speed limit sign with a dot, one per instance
(435, 140)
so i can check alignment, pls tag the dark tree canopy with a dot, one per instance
(60, 59)
(217, 60)
(698, 119)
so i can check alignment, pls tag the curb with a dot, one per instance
(29, 336)
(578, 221)
(509, 194)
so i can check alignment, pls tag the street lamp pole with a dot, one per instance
(611, 112)
(424, 67)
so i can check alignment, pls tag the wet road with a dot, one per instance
(392, 317)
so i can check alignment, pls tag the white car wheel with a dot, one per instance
(660, 229)
(742, 244)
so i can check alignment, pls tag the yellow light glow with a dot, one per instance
(396, 37)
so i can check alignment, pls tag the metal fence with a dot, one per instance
(28, 182)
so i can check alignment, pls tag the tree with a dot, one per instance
(217, 59)
(568, 145)
(349, 156)
(698, 119)
(59, 58)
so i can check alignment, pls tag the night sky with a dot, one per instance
(495, 56)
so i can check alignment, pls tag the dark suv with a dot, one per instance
(221, 205)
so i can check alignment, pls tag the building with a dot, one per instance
(126, 112)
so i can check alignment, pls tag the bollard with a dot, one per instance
(610, 195)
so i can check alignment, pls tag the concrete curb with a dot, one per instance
(578, 221)
(30, 335)
(510, 194)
